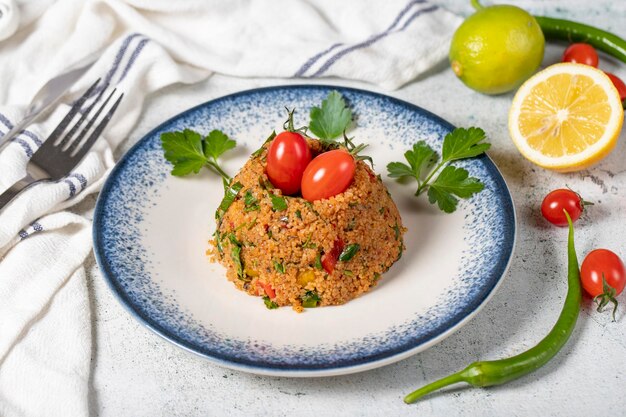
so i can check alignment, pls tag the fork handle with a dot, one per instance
(15, 189)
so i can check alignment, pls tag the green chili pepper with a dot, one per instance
(488, 373)
(569, 31)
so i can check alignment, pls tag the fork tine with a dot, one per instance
(77, 143)
(70, 115)
(84, 148)
(68, 136)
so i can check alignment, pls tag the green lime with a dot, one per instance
(496, 49)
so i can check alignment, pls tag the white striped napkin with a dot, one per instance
(45, 341)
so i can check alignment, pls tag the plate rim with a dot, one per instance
(293, 371)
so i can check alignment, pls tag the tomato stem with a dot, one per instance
(583, 202)
(608, 295)
(288, 125)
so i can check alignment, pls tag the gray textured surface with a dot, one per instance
(137, 373)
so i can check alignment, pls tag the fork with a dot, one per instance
(61, 151)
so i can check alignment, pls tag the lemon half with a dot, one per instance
(566, 117)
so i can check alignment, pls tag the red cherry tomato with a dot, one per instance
(328, 174)
(619, 84)
(557, 200)
(581, 53)
(330, 259)
(287, 158)
(602, 262)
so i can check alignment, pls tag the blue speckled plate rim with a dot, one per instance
(380, 359)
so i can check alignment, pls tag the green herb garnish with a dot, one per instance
(348, 273)
(318, 261)
(279, 267)
(260, 150)
(271, 305)
(188, 151)
(298, 214)
(230, 193)
(250, 201)
(311, 299)
(444, 183)
(253, 223)
(396, 230)
(266, 185)
(332, 119)
(218, 242)
(349, 252)
(278, 203)
(310, 206)
(235, 255)
(308, 244)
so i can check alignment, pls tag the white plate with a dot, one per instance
(151, 231)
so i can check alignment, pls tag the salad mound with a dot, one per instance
(307, 254)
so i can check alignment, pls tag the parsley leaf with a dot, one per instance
(444, 183)
(229, 196)
(260, 150)
(271, 305)
(464, 143)
(349, 252)
(278, 203)
(188, 151)
(318, 261)
(332, 119)
(250, 201)
(184, 151)
(399, 170)
(311, 299)
(420, 158)
(451, 182)
(235, 255)
(279, 267)
(216, 143)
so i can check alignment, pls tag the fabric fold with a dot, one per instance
(144, 46)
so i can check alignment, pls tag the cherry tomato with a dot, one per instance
(287, 158)
(619, 84)
(581, 53)
(330, 259)
(602, 262)
(557, 200)
(328, 174)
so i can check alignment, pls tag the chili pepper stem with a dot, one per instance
(434, 386)
(476, 4)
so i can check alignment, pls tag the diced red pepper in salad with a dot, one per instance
(269, 291)
(330, 259)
